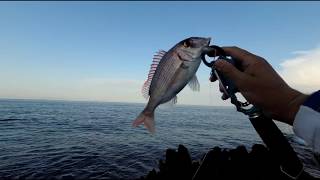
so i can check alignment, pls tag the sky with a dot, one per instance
(102, 51)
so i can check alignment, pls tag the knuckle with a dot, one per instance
(230, 49)
(236, 48)
(264, 61)
(260, 62)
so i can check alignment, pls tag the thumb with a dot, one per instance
(230, 71)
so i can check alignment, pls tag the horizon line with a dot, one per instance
(99, 101)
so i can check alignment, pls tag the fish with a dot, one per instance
(169, 73)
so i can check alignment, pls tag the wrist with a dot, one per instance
(294, 104)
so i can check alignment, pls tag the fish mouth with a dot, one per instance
(206, 44)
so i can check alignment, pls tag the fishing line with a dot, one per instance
(211, 85)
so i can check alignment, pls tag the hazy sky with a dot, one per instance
(103, 50)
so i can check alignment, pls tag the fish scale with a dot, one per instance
(166, 74)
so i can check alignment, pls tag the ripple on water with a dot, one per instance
(59, 139)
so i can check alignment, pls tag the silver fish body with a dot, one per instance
(175, 70)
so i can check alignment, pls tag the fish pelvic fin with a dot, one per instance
(147, 118)
(171, 102)
(194, 84)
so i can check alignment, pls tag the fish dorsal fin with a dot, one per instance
(155, 62)
(194, 84)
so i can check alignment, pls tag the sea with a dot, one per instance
(44, 139)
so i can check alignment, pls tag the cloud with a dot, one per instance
(303, 71)
(300, 52)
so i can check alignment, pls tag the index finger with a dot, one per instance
(243, 56)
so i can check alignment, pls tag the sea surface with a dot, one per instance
(42, 139)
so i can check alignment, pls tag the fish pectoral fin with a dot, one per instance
(183, 66)
(194, 84)
(181, 58)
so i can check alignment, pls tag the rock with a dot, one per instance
(152, 174)
(220, 164)
(184, 167)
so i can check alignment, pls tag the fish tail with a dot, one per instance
(147, 118)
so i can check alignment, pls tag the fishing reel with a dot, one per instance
(227, 85)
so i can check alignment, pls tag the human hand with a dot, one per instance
(261, 85)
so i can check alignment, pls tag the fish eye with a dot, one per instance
(186, 44)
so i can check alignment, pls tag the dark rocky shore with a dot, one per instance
(220, 164)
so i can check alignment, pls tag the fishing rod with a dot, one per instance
(270, 134)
